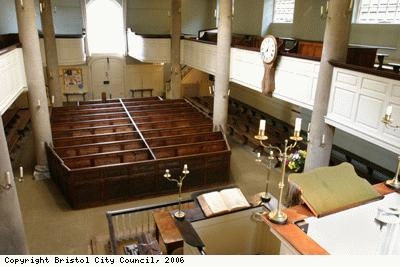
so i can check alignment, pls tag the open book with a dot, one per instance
(224, 201)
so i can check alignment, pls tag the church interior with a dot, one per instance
(129, 125)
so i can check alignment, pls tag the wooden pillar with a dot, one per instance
(221, 97)
(38, 106)
(336, 38)
(50, 46)
(175, 91)
(12, 233)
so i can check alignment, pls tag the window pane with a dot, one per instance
(283, 11)
(105, 27)
(379, 11)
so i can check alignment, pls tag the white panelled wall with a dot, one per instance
(358, 103)
(12, 78)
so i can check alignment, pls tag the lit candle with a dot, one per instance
(209, 88)
(185, 167)
(8, 178)
(21, 171)
(297, 125)
(262, 125)
(258, 154)
(389, 111)
(323, 140)
(309, 127)
(52, 99)
(322, 10)
(271, 153)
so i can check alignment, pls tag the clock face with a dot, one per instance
(268, 49)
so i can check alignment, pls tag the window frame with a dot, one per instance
(274, 12)
(357, 10)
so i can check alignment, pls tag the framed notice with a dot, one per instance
(72, 79)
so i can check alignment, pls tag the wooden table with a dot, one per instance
(167, 230)
(83, 94)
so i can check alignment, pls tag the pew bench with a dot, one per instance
(141, 91)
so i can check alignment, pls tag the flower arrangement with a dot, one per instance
(296, 160)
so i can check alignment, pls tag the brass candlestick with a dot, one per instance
(394, 183)
(180, 214)
(266, 196)
(278, 216)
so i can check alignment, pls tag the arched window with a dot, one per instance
(105, 27)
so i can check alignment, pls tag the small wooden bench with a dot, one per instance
(68, 94)
(142, 91)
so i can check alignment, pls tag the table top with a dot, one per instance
(167, 228)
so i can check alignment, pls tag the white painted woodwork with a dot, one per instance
(200, 56)
(296, 81)
(358, 102)
(247, 68)
(150, 50)
(12, 78)
(70, 51)
(109, 69)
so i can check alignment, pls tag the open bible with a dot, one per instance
(224, 201)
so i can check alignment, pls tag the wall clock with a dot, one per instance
(269, 52)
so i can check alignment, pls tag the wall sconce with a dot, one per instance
(8, 185)
(211, 88)
(21, 174)
(180, 214)
(322, 140)
(387, 119)
(324, 10)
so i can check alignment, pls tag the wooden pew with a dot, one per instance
(93, 130)
(96, 148)
(96, 165)
(107, 158)
(91, 139)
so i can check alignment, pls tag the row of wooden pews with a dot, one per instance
(16, 124)
(118, 150)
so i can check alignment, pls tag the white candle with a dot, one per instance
(8, 178)
(262, 125)
(323, 140)
(38, 102)
(52, 99)
(185, 167)
(21, 172)
(271, 153)
(389, 111)
(309, 127)
(322, 10)
(258, 154)
(297, 125)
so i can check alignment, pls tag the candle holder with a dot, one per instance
(395, 183)
(180, 214)
(266, 196)
(278, 216)
(8, 185)
(387, 120)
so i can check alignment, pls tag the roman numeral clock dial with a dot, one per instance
(269, 52)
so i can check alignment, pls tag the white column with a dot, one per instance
(12, 233)
(38, 106)
(335, 44)
(50, 47)
(175, 49)
(221, 98)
